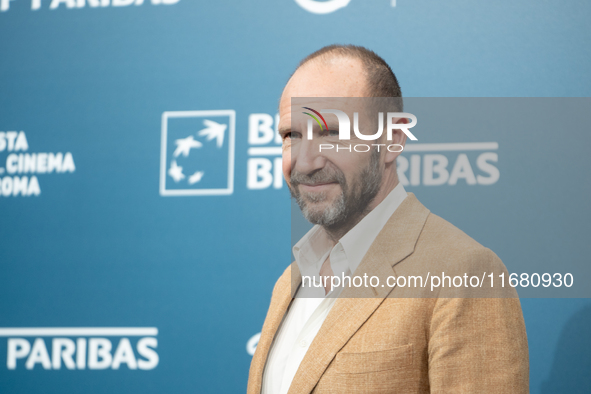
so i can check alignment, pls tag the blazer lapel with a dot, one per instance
(395, 242)
(282, 297)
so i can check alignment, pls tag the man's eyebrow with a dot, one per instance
(284, 129)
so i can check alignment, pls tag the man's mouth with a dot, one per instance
(317, 187)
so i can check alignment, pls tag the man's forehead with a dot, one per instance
(297, 110)
(344, 77)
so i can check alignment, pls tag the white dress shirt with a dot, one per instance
(310, 307)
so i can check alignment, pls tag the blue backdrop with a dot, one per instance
(108, 219)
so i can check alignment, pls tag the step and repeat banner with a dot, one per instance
(143, 215)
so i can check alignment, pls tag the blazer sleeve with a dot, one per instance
(478, 345)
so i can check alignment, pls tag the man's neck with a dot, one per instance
(335, 233)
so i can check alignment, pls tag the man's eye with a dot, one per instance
(291, 135)
(331, 133)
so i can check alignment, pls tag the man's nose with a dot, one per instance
(307, 158)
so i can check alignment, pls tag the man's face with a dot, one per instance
(330, 187)
(329, 197)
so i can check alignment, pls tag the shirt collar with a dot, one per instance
(313, 249)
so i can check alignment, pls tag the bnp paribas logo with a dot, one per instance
(197, 153)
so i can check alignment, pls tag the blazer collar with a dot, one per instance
(282, 297)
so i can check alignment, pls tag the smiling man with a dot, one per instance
(375, 338)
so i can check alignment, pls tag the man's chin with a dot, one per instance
(318, 203)
(315, 208)
(321, 213)
(327, 197)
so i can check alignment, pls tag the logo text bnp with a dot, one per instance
(197, 153)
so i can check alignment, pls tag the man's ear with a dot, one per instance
(399, 138)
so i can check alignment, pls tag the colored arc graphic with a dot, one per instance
(315, 118)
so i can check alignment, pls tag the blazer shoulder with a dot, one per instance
(441, 231)
(455, 248)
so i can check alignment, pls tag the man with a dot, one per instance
(372, 338)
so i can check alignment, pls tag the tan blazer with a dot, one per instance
(374, 341)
